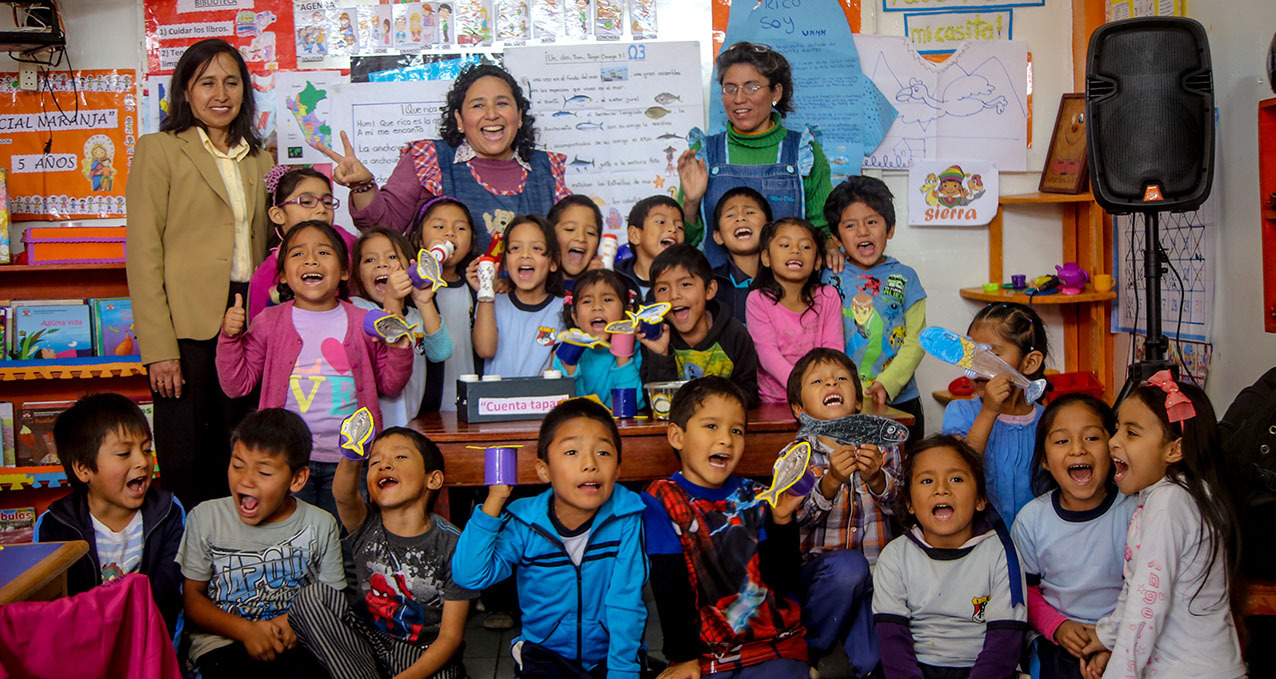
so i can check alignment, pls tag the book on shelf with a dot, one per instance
(113, 327)
(7, 444)
(17, 525)
(34, 425)
(51, 331)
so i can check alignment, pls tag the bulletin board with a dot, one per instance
(87, 121)
(261, 29)
(722, 14)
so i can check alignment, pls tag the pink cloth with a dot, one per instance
(782, 336)
(267, 353)
(113, 630)
(267, 276)
(1041, 615)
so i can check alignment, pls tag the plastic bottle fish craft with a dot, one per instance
(428, 270)
(386, 326)
(977, 359)
(855, 429)
(791, 473)
(356, 430)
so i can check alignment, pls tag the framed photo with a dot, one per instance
(1066, 170)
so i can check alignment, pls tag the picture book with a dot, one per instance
(51, 331)
(7, 449)
(34, 424)
(17, 525)
(113, 327)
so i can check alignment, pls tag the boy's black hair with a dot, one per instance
(770, 63)
(765, 280)
(573, 409)
(592, 277)
(1201, 473)
(968, 455)
(685, 256)
(396, 238)
(190, 66)
(1107, 418)
(690, 396)
(576, 200)
(638, 213)
(524, 140)
(338, 243)
(763, 203)
(819, 356)
(430, 454)
(554, 282)
(414, 235)
(1019, 325)
(79, 431)
(860, 189)
(276, 431)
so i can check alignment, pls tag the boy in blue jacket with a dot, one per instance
(578, 551)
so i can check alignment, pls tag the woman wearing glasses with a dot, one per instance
(196, 229)
(788, 167)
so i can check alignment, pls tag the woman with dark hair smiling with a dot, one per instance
(196, 232)
(486, 159)
(788, 167)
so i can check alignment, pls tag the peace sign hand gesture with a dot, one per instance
(347, 170)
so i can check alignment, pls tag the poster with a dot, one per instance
(303, 109)
(261, 29)
(940, 32)
(830, 90)
(619, 112)
(89, 122)
(1126, 9)
(721, 11)
(382, 117)
(1188, 241)
(972, 105)
(947, 193)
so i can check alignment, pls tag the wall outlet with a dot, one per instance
(29, 77)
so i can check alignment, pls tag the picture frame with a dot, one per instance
(1067, 169)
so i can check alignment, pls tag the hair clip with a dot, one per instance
(1178, 407)
(567, 298)
(426, 208)
(274, 175)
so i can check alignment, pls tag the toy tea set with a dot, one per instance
(1068, 279)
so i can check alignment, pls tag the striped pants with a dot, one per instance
(347, 645)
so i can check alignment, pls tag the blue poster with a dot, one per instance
(830, 91)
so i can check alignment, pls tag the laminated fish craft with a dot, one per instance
(386, 326)
(855, 429)
(428, 270)
(791, 473)
(977, 359)
(356, 430)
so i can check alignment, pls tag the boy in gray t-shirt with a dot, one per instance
(246, 556)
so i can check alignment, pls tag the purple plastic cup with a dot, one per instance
(370, 322)
(418, 281)
(804, 485)
(500, 466)
(569, 353)
(622, 345)
(624, 402)
(651, 330)
(1019, 281)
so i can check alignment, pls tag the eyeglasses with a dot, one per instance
(310, 201)
(749, 88)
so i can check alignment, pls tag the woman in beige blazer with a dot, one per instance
(197, 229)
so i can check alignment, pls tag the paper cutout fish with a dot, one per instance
(855, 429)
(356, 430)
(625, 326)
(388, 327)
(976, 359)
(789, 468)
(426, 272)
(653, 313)
(580, 338)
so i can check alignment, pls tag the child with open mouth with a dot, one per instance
(600, 297)
(578, 226)
(739, 216)
(447, 220)
(948, 595)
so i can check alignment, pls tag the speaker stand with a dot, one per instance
(1157, 345)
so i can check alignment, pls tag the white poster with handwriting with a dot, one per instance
(619, 112)
(383, 117)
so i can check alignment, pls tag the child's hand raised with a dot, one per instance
(660, 345)
(694, 176)
(399, 285)
(877, 392)
(1072, 636)
(785, 507)
(261, 639)
(235, 318)
(496, 497)
(996, 393)
(834, 258)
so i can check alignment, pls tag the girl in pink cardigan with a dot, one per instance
(789, 311)
(311, 355)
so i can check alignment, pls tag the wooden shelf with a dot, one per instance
(1009, 295)
(38, 268)
(1038, 197)
(58, 281)
(67, 369)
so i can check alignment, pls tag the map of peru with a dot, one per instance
(303, 109)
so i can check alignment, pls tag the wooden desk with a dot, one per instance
(37, 572)
(646, 453)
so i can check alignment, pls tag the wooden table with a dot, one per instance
(37, 571)
(646, 454)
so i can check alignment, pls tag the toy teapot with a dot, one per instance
(1072, 276)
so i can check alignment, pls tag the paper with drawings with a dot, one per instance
(829, 90)
(619, 112)
(973, 105)
(304, 110)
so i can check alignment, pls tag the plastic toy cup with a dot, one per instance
(660, 396)
(1103, 282)
(569, 353)
(622, 345)
(992, 287)
(370, 323)
(651, 330)
(500, 466)
(804, 485)
(1019, 281)
(624, 402)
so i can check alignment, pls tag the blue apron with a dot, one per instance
(492, 211)
(781, 183)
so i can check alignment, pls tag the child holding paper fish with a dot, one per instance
(313, 355)
(599, 361)
(447, 220)
(1001, 423)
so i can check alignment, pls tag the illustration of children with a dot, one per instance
(346, 28)
(415, 24)
(385, 37)
(950, 192)
(401, 30)
(445, 22)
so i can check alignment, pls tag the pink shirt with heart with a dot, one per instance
(321, 387)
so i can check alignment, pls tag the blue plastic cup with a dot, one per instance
(569, 353)
(624, 403)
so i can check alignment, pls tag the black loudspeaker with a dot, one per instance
(1150, 115)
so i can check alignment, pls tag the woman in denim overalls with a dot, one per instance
(786, 166)
(486, 160)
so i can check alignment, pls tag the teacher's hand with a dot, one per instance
(694, 176)
(834, 258)
(346, 169)
(166, 378)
